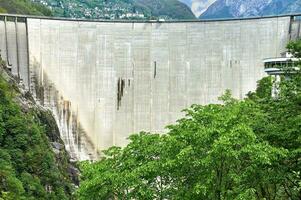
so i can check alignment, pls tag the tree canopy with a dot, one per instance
(240, 149)
(23, 7)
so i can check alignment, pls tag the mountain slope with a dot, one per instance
(242, 8)
(277, 7)
(235, 8)
(23, 7)
(198, 7)
(119, 9)
(171, 8)
(33, 161)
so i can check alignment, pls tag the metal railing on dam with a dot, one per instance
(104, 80)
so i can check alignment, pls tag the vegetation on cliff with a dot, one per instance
(26, 7)
(29, 167)
(248, 149)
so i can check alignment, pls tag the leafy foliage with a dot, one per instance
(28, 166)
(120, 9)
(171, 8)
(23, 7)
(248, 149)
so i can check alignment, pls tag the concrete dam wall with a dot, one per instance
(104, 80)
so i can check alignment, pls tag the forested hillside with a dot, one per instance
(172, 9)
(33, 162)
(23, 7)
(120, 9)
(100, 9)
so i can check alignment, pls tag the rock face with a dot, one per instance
(35, 144)
(198, 7)
(277, 7)
(242, 8)
(235, 8)
(58, 147)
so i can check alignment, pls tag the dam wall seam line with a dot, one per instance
(28, 57)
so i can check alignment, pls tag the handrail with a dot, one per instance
(147, 21)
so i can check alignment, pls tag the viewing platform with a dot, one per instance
(281, 65)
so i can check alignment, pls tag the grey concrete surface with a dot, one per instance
(121, 78)
(14, 49)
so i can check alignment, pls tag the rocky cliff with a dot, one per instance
(33, 161)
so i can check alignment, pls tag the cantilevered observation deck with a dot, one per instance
(281, 65)
(286, 65)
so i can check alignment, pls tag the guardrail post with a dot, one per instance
(6, 42)
(17, 47)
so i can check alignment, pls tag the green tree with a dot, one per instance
(23, 7)
(241, 149)
(212, 153)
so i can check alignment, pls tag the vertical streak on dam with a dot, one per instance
(108, 79)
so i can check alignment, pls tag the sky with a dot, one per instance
(198, 6)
